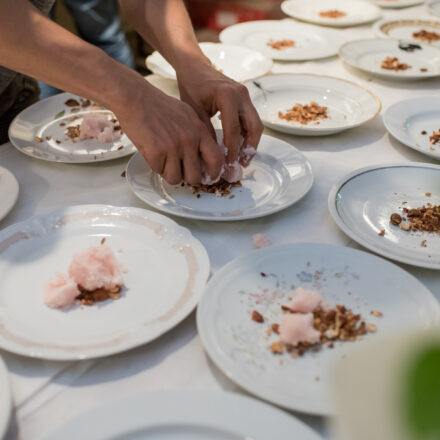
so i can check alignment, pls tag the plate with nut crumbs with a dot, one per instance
(311, 105)
(392, 210)
(416, 123)
(285, 40)
(337, 13)
(94, 280)
(69, 129)
(277, 319)
(426, 30)
(278, 176)
(392, 59)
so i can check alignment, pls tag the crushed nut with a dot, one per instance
(257, 317)
(305, 113)
(280, 44)
(276, 348)
(333, 13)
(392, 63)
(376, 313)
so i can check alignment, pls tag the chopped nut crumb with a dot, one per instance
(426, 36)
(423, 132)
(72, 103)
(395, 219)
(280, 44)
(333, 13)
(381, 232)
(392, 63)
(38, 139)
(371, 328)
(257, 317)
(276, 348)
(103, 240)
(305, 113)
(423, 243)
(376, 313)
(123, 174)
(427, 194)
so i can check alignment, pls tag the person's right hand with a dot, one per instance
(170, 135)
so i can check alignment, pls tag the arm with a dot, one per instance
(166, 25)
(166, 131)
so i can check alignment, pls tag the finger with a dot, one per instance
(192, 166)
(212, 155)
(229, 109)
(206, 119)
(254, 129)
(173, 170)
(155, 158)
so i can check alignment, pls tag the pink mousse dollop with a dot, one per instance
(260, 241)
(96, 268)
(305, 301)
(97, 126)
(298, 327)
(60, 292)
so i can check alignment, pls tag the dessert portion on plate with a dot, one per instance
(308, 323)
(281, 44)
(393, 63)
(94, 275)
(332, 13)
(426, 36)
(304, 114)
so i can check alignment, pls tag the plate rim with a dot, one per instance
(227, 219)
(386, 75)
(390, 130)
(410, 3)
(378, 24)
(218, 359)
(351, 234)
(16, 193)
(98, 159)
(57, 355)
(142, 401)
(6, 397)
(343, 80)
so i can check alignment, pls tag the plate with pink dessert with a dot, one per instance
(94, 280)
(69, 129)
(278, 176)
(274, 321)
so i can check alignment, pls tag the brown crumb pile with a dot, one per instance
(392, 63)
(423, 219)
(305, 113)
(426, 36)
(435, 137)
(88, 298)
(280, 44)
(333, 13)
(221, 188)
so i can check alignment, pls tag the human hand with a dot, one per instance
(208, 91)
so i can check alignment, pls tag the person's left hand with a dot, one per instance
(208, 91)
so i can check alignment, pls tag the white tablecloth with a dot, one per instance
(46, 394)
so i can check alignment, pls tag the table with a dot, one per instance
(46, 394)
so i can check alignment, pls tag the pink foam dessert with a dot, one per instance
(305, 301)
(60, 292)
(298, 327)
(97, 126)
(96, 268)
(260, 241)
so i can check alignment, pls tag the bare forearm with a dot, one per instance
(165, 24)
(34, 45)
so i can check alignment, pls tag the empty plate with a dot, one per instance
(185, 415)
(417, 61)
(339, 13)
(348, 105)
(362, 202)
(309, 42)
(150, 247)
(413, 122)
(236, 62)
(9, 190)
(263, 281)
(40, 131)
(396, 4)
(278, 176)
(415, 30)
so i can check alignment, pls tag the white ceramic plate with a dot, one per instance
(357, 11)
(278, 176)
(403, 29)
(367, 55)
(396, 4)
(311, 42)
(362, 202)
(150, 247)
(236, 62)
(240, 347)
(5, 399)
(9, 190)
(406, 120)
(185, 415)
(43, 119)
(349, 105)
(434, 7)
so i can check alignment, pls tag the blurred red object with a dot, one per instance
(219, 14)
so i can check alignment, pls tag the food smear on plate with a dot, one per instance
(393, 63)
(426, 36)
(332, 13)
(94, 275)
(304, 114)
(308, 323)
(260, 241)
(281, 44)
